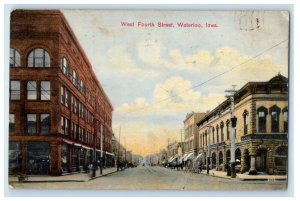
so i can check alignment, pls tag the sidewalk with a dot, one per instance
(246, 177)
(72, 177)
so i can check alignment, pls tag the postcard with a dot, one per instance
(148, 99)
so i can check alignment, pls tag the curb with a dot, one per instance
(69, 180)
(246, 179)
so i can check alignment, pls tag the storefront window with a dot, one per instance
(38, 158)
(65, 155)
(15, 157)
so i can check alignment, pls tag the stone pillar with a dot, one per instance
(224, 160)
(281, 122)
(24, 157)
(252, 170)
(55, 159)
(243, 162)
(268, 122)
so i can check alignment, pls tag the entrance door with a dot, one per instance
(261, 160)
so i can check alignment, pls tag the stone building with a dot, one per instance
(261, 109)
(59, 112)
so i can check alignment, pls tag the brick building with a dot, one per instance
(59, 113)
(261, 109)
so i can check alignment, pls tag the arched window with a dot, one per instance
(262, 115)
(228, 129)
(245, 117)
(217, 128)
(14, 58)
(285, 119)
(38, 58)
(74, 77)
(275, 111)
(81, 86)
(213, 134)
(65, 66)
(222, 131)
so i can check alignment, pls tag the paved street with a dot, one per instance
(146, 177)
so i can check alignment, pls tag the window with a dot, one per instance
(245, 117)
(45, 90)
(213, 135)
(62, 125)
(222, 131)
(262, 113)
(67, 122)
(74, 78)
(14, 58)
(11, 124)
(15, 90)
(275, 111)
(45, 123)
(67, 97)
(65, 66)
(75, 105)
(228, 129)
(81, 86)
(31, 90)
(62, 95)
(285, 120)
(217, 133)
(39, 58)
(31, 123)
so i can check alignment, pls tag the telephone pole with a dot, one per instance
(230, 95)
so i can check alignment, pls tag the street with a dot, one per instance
(156, 178)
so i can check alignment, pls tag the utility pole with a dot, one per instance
(101, 145)
(125, 150)
(233, 126)
(118, 160)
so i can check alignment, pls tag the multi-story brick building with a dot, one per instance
(191, 136)
(261, 109)
(59, 112)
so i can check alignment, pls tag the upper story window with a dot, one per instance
(74, 77)
(262, 116)
(31, 90)
(15, 90)
(14, 58)
(11, 124)
(38, 58)
(31, 123)
(213, 135)
(228, 129)
(222, 131)
(245, 117)
(45, 123)
(285, 119)
(65, 66)
(45, 90)
(217, 128)
(81, 86)
(275, 111)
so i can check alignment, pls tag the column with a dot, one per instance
(55, 159)
(252, 170)
(243, 162)
(268, 122)
(70, 147)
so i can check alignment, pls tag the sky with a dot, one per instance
(154, 76)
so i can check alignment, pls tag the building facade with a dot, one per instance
(261, 109)
(60, 116)
(191, 137)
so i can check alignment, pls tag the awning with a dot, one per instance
(111, 154)
(199, 157)
(174, 158)
(190, 156)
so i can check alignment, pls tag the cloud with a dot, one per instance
(121, 61)
(172, 96)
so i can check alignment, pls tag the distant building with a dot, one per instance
(58, 108)
(191, 136)
(261, 109)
